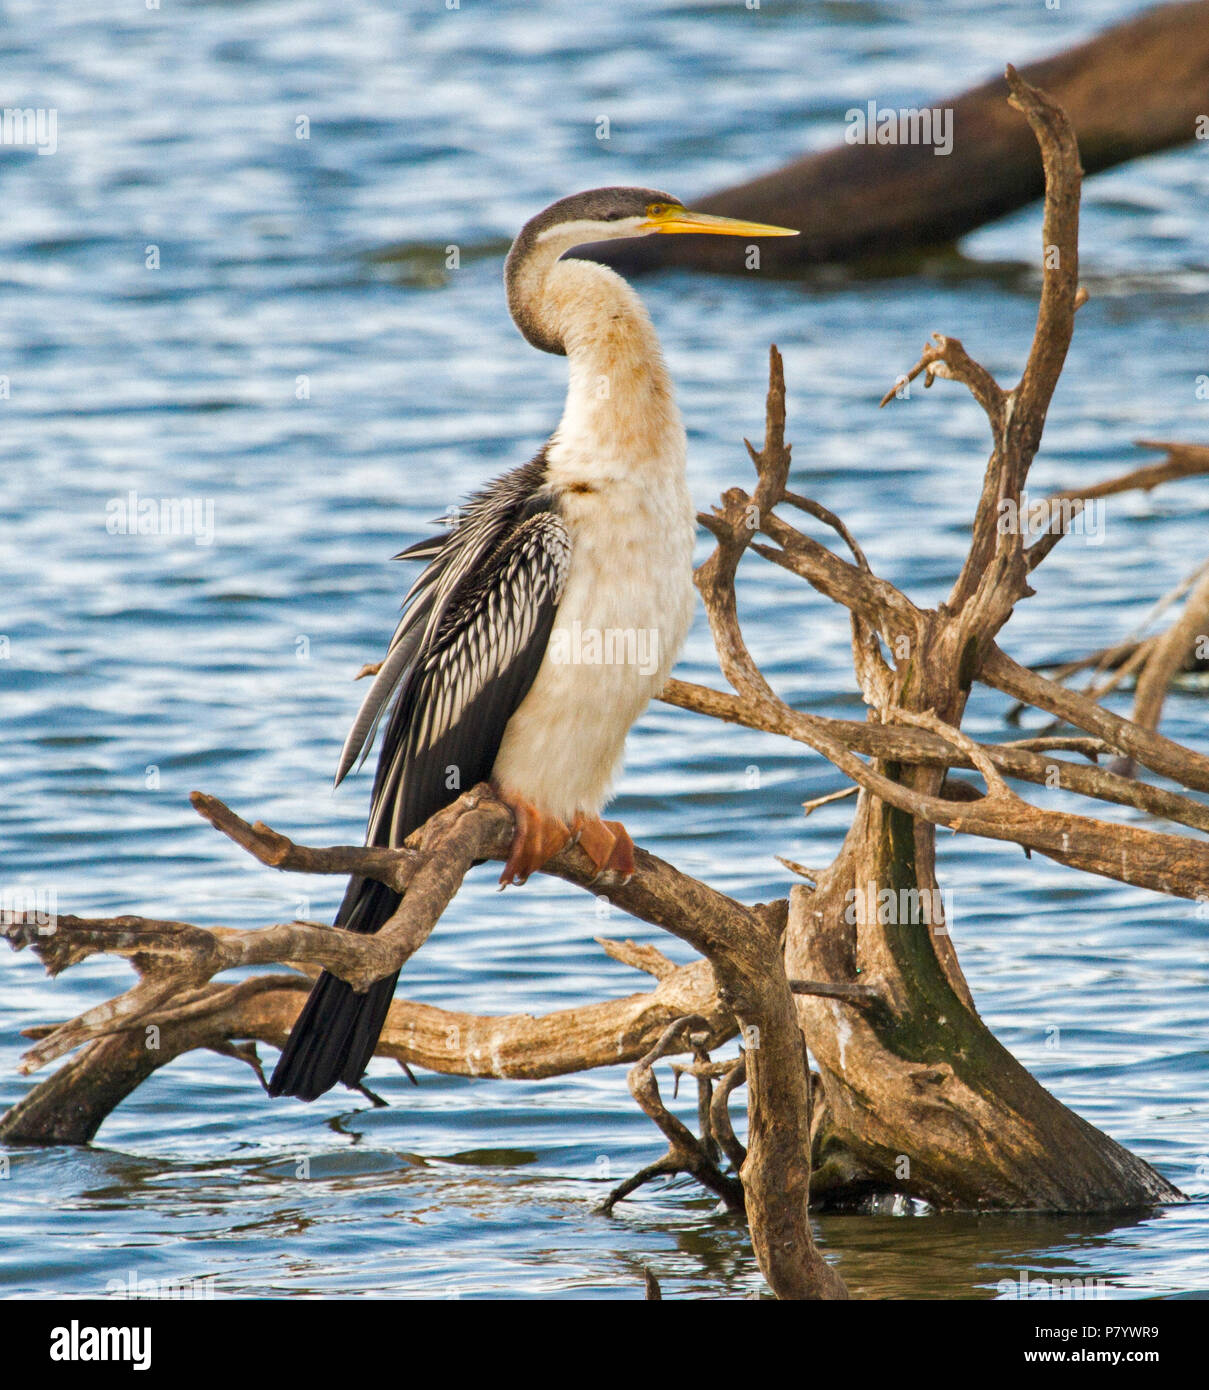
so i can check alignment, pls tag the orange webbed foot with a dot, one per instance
(536, 840)
(607, 844)
(621, 861)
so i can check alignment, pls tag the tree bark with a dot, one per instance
(920, 1096)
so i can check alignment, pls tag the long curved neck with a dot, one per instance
(620, 414)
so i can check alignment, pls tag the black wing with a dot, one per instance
(465, 683)
(471, 640)
(455, 560)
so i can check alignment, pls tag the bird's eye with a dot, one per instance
(657, 209)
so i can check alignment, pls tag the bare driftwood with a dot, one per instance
(1171, 652)
(686, 1152)
(176, 962)
(1139, 87)
(1155, 661)
(911, 1093)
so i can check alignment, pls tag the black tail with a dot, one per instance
(338, 1029)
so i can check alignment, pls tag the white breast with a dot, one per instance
(617, 464)
(622, 621)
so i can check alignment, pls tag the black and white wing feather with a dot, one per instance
(473, 635)
(463, 658)
(455, 560)
(448, 722)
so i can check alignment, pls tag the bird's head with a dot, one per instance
(607, 214)
(600, 214)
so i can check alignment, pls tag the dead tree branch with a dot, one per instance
(882, 998)
(741, 943)
(686, 1153)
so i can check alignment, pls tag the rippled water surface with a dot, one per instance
(329, 400)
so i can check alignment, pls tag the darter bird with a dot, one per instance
(547, 615)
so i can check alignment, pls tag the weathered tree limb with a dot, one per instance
(1182, 461)
(1017, 759)
(175, 956)
(1165, 863)
(1123, 658)
(908, 1050)
(69, 1106)
(720, 1124)
(1139, 87)
(1152, 750)
(742, 944)
(686, 1153)
(1162, 656)
(1168, 657)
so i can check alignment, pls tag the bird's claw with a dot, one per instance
(536, 840)
(608, 845)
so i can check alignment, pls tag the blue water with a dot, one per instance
(302, 361)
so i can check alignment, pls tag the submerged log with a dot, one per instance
(1140, 86)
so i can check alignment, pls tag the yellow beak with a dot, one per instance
(678, 219)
